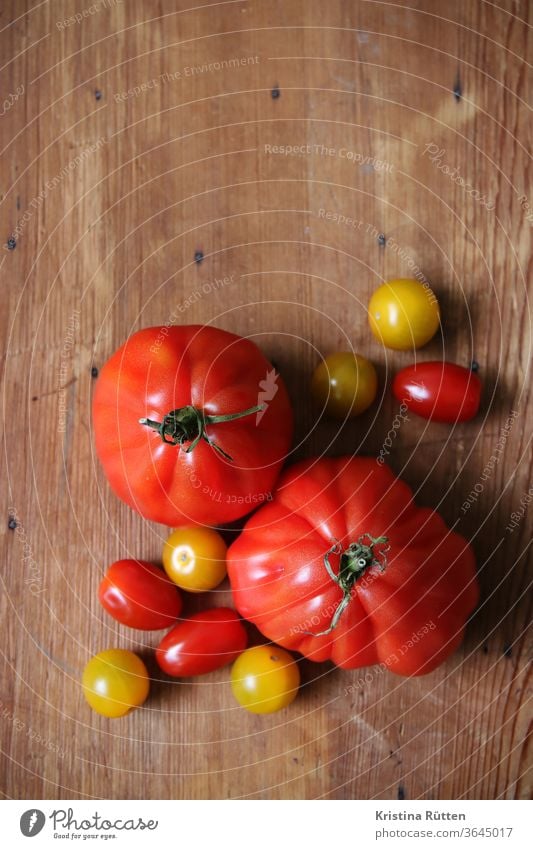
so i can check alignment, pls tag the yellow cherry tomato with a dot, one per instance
(265, 679)
(403, 314)
(115, 682)
(195, 558)
(344, 384)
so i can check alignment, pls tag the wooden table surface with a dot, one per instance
(140, 133)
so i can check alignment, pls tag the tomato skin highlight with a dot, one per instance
(115, 682)
(409, 614)
(160, 370)
(195, 558)
(344, 384)
(265, 679)
(403, 314)
(202, 643)
(138, 594)
(442, 392)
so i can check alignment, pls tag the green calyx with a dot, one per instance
(354, 561)
(188, 424)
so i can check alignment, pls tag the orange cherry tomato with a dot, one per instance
(403, 314)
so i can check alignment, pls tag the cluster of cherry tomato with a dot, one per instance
(140, 595)
(403, 315)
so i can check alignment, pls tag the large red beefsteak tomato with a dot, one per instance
(342, 565)
(192, 424)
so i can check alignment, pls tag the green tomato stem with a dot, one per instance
(188, 424)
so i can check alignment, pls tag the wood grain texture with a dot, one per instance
(110, 194)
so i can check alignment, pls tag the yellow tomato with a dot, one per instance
(403, 314)
(265, 679)
(195, 558)
(115, 682)
(345, 384)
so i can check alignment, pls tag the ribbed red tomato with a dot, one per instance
(443, 392)
(192, 424)
(138, 594)
(343, 566)
(202, 643)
